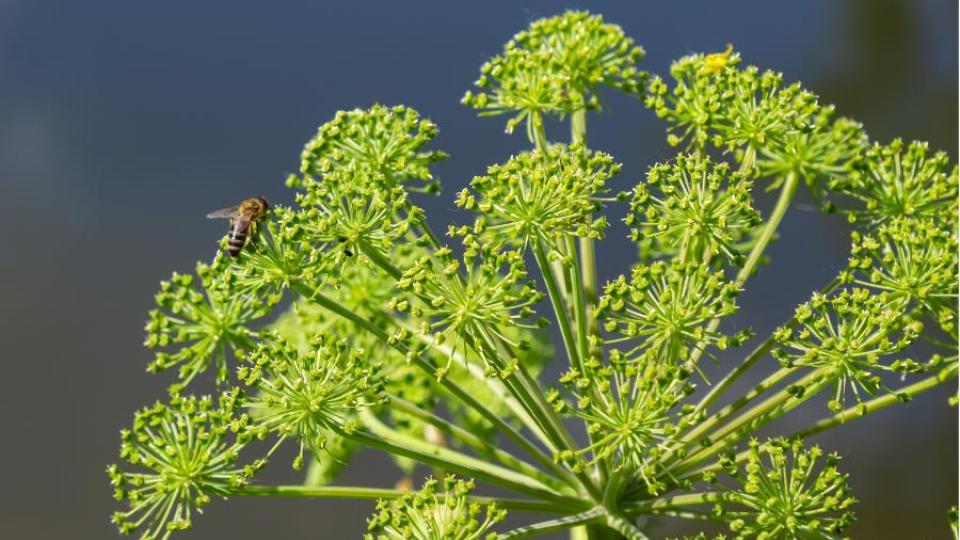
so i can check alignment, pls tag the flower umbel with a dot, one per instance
(665, 309)
(438, 511)
(189, 455)
(207, 321)
(557, 66)
(847, 335)
(899, 180)
(541, 195)
(701, 210)
(784, 498)
(465, 307)
(308, 395)
(385, 140)
(915, 260)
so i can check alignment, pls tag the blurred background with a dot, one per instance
(122, 123)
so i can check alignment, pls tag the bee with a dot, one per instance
(244, 220)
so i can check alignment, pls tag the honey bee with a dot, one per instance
(244, 220)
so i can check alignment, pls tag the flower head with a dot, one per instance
(183, 453)
(438, 511)
(847, 336)
(693, 208)
(915, 260)
(664, 310)
(633, 419)
(207, 321)
(782, 496)
(462, 306)
(557, 66)
(283, 255)
(309, 395)
(541, 195)
(899, 180)
(349, 211)
(386, 140)
(713, 100)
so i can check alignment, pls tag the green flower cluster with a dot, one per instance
(664, 309)
(910, 259)
(898, 180)
(634, 417)
(771, 126)
(846, 336)
(467, 304)
(692, 208)
(540, 195)
(437, 511)
(309, 395)
(182, 454)
(387, 141)
(783, 496)
(556, 67)
(206, 318)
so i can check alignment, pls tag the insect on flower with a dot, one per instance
(244, 218)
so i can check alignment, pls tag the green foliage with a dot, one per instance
(349, 323)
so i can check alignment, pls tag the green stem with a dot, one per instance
(559, 309)
(787, 192)
(499, 392)
(499, 423)
(384, 438)
(623, 526)
(553, 525)
(876, 404)
(353, 492)
(669, 503)
(851, 413)
(774, 407)
(754, 357)
(476, 443)
(728, 411)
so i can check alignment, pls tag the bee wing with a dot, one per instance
(224, 213)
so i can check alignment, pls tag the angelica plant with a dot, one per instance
(350, 322)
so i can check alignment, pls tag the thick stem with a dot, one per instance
(553, 525)
(623, 526)
(384, 438)
(482, 447)
(354, 492)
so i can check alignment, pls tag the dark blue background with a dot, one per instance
(123, 122)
